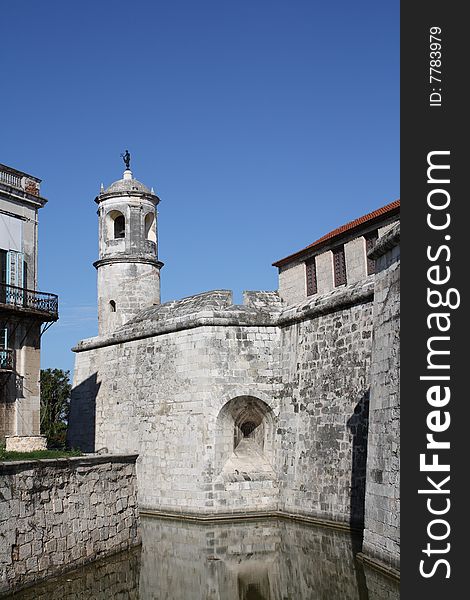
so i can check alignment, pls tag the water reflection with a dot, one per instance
(256, 560)
(110, 579)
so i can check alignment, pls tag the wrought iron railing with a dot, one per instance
(7, 359)
(29, 299)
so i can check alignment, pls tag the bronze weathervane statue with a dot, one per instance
(126, 157)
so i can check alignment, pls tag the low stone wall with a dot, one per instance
(25, 443)
(63, 513)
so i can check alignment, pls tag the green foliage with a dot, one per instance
(4, 455)
(55, 405)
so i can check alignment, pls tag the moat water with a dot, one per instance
(254, 560)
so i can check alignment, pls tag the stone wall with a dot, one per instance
(355, 257)
(62, 513)
(292, 283)
(25, 443)
(193, 373)
(324, 267)
(324, 405)
(162, 396)
(130, 285)
(382, 524)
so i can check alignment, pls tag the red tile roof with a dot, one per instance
(386, 211)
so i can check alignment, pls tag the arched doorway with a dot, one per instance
(245, 438)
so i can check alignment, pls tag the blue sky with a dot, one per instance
(261, 125)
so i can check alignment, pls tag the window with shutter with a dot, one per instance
(15, 268)
(371, 239)
(3, 275)
(339, 263)
(311, 275)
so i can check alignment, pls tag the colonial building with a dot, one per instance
(24, 311)
(260, 408)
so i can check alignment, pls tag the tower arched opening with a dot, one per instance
(115, 225)
(150, 229)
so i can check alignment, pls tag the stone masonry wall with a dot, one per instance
(62, 513)
(324, 406)
(382, 523)
(176, 395)
(292, 283)
(130, 286)
(355, 257)
(161, 397)
(25, 443)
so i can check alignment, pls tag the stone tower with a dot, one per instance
(128, 266)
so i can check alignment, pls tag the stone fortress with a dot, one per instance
(285, 405)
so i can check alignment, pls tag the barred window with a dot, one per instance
(339, 263)
(371, 239)
(311, 275)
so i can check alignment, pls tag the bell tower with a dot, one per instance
(128, 266)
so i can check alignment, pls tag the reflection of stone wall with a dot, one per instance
(114, 578)
(63, 513)
(380, 587)
(273, 558)
(263, 559)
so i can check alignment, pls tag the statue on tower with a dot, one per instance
(126, 157)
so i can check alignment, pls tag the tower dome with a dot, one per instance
(128, 266)
(127, 184)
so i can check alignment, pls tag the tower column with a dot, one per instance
(128, 266)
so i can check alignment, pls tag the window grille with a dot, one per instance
(311, 275)
(339, 263)
(371, 239)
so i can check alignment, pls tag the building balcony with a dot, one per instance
(19, 180)
(28, 302)
(7, 360)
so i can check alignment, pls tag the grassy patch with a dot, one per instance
(4, 455)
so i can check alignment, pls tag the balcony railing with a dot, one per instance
(7, 359)
(30, 300)
(10, 178)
